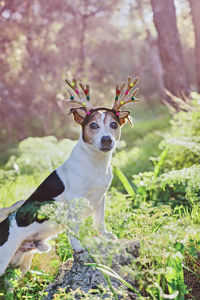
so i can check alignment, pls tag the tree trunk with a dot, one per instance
(154, 57)
(195, 13)
(175, 77)
(157, 67)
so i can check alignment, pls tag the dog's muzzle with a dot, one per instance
(106, 143)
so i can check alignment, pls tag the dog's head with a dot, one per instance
(101, 129)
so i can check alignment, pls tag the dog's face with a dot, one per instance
(101, 129)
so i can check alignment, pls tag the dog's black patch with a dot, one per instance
(4, 231)
(50, 188)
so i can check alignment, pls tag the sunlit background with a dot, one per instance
(99, 42)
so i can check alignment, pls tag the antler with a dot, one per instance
(75, 95)
(126, 93)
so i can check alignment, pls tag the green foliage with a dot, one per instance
(31, 287)
(183, 139)
(125, 182)
(109, 272)
(174, 275)
(100, 290)
(179, 168)
(186, 123)
(63, 247)
(154, 119)
(39, 154)
(160, 163)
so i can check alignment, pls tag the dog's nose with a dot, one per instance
(106, 140)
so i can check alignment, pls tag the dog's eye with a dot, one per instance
(113, 125)
(94, 125)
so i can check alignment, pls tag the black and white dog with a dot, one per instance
(86, 174)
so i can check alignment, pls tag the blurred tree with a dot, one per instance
(153, 53)
(171, 54)
(195, 13)
(40, 42)
(86, 10)
(156, 63)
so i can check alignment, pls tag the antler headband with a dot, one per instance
(125, 93)
(75, 95)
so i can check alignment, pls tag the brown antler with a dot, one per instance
(126, 93)
(75, 95)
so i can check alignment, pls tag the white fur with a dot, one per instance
(102, 132)
(86, 174)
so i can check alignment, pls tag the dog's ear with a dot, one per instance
(123, 117)
(79, 114)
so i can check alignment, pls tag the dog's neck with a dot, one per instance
(87, 155)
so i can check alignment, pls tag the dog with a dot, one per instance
(85, 174)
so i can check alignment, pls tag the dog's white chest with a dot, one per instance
(97, 185)
(85, 177)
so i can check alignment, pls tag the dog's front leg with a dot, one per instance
(75, 243)
(98, 217)
(74, 236)
(74, 217)
(26, 263)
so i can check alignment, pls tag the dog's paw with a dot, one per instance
(81, 256)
